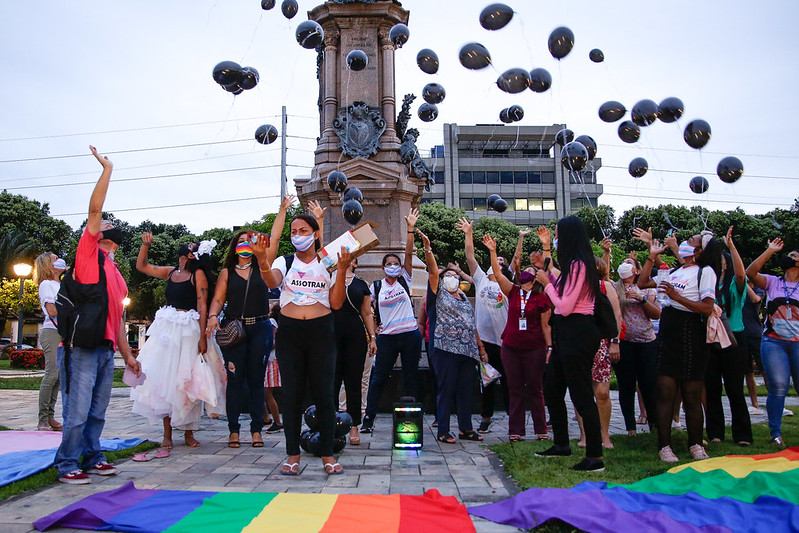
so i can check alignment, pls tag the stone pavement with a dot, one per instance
(466, 470)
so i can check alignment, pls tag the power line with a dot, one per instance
(680, 191)
(686, 151)
(695, 173)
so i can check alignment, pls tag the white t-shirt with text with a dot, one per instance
(396, 309)
(684, 281)
(304, 284)
(490, 309)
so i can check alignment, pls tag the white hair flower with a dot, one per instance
(205, 247)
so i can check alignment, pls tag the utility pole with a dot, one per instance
(283, 178)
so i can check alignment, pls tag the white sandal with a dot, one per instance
(333, 466)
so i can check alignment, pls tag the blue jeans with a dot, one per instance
(780, 363)
(91, 374)
(408, 346)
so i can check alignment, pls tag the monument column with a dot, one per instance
(389, 100)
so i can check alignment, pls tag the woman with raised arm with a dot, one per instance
(682, 342)
(576, 339)
(526, 345)
(398, 332)
(780, 345)
(455, 347)
(305, 345)
(175, 343)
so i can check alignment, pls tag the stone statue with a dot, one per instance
(409, 154)
(359, 126)
(404, 115)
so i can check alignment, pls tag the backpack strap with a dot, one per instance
(376, 286)
(289, 259)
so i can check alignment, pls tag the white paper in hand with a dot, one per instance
(129, 378)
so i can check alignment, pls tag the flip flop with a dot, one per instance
(257, 443)
(143, 457)
(290, 471)
(470, 435)
(333, 466)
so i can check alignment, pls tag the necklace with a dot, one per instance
(244, 267)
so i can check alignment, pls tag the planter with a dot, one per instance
(28, 359)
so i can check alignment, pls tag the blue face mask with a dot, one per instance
(302, 242)
(392, 271)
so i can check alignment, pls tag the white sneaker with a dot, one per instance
(755, 410)
(786, 412)
(666, 455)
(698, 452)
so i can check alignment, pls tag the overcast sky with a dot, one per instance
(134, 79)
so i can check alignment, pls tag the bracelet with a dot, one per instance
(212, 316)
(262, 270)
(428, 250)
(411, 232)
(547, 249)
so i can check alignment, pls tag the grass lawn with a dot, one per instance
(33, 383)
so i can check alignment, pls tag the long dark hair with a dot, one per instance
(231, 258)
(726, 282)
(574, 246)
(202, 262)
(311, 221)
(711, 256)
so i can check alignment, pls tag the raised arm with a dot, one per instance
(753, 270)
(277, 228)
(457, 268)
(98, 194)
(410, 225)
(520, 243)
(606, 245)
(737, 262)
(338, 293)
(645, 280)
(319, 214)
(466, 226)
(430, 260)
(272, 277)
(143, 265)
(505, 284)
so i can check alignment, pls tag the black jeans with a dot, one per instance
(489, 391)
(638, 363)
(246, 366)
(351, 348)
(408, 346)
(306, 352)
(575, 341)
(456, 376)
(730, 364)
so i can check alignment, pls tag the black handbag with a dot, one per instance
(232, 333)
(605, 317)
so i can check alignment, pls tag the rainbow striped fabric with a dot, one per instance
(731, 493)
(130, 509)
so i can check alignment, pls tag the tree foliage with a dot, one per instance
(9, 297)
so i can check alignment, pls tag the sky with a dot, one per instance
(134, 79)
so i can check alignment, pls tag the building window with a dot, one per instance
(492, 176)
(549, 204)
(437, 152)
(521, 204)
(535, 204)
(533, 177)
(425, 200)
(466, 203)
(438, 177)
(506, 176)
(576, 203)
(478, 177)
(464, 177)
(511, 203)
(479, 204)
(547, 177)
(520, 177)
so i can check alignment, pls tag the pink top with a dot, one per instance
(577, 297)
(87, 271)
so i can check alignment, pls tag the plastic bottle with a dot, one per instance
(662, 275)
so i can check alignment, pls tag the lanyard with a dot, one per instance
(524, 299)
(785, 290)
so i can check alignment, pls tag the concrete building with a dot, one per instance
(520, 163)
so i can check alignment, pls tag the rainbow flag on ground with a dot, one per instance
(731, 493)
(130, 509)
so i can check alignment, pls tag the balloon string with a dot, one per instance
(252, 39)
(524, 36)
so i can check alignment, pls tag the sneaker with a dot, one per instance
(368, 425)
(589, 465)
(666, 455)
(484, 427)
(755, 410)
(676, 425)
(778, 442)
(76, 477)
(274, 428)
(102, 469)
(698, 452)
(786, 412)
(555, 451)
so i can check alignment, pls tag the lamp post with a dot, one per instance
(125, 304)
(22, 271)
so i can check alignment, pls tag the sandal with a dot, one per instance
(257, 443)
(333, 471)
(446, 439)
(355, 441)
(233, 443)
(293, 470)
(470, 435)
(641, 420)
(515, 438)
(143, 457)
(543, 436)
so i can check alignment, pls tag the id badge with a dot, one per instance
(788, 313)
(522, 324)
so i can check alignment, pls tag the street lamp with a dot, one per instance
(22, 270)
(125, 304)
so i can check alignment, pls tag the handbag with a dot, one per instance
(488, 374)
(232, 333)
(604, 316)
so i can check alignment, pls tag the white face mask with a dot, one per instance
(451, 283)
(392, 271)
(625, 270)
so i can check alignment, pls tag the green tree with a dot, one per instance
(9, 297)
(599, 221)
(437, 221)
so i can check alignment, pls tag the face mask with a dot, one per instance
(451, 283)
(686, 250)
(114, 235)
(392, 271)
(555, 243)
(244, 249)
(302, 242)
(184, 250)
(526, 277)
(625, 270)
(787, 262)
(60, 264)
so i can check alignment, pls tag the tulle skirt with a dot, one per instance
(178, 378)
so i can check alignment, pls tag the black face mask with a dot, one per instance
(786, 262)
(114, 235)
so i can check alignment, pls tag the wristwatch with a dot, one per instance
(614, 341)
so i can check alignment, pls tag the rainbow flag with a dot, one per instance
(130, 509)
(731, 493)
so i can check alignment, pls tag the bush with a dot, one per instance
(27, 359)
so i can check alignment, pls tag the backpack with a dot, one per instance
(604, 316)
(377, 285)
(82, 309)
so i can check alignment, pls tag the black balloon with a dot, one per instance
(596, 55)
(495, 16)
(352, 211)
(427, 61)
(491, 199)
(267, 4)
(249, 79)
(504, 116)
(315, 444)
(629, 132)
(500, 205)
(474, 56)
(564, 137)
(305, 439)
(266, 134)
(514, 80)
(289, 8)
(516, 112)
(540, 80)
(611, 111)
(670, 109)
(730, 169)
(574, 156)
(339, 444)
(644, 112)
(699, 184)
(311, 418)
(399, 34)
(638, 167)
(357, 60)
(561, 41)
(353, 193)
(309, 34)
(590, 145)
(343, 424)
(428, 112)
(227, 73)
(337, 181)
(233, 88)
(433, 93)
(697, 133)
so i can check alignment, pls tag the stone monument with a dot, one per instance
(359, 132)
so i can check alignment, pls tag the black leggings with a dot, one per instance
(731, 364)
(351, 347)
(638, 363)
(306, 351)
